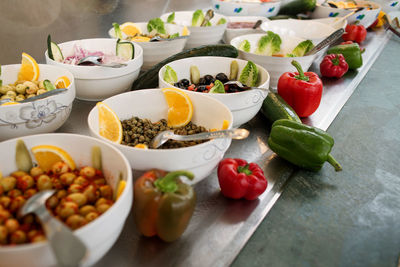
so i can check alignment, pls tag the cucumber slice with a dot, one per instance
(126, 50)
(48, 85)
(117, 30)
(54, 51)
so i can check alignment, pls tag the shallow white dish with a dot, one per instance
(154, 52)
(199, 35)
(150, 104)
(95, 82)
(244, 105)
(238, 8)
(275, 66)
(41, 116)
(364, 17)
(306, 29)
(232, 33)
(100, 234)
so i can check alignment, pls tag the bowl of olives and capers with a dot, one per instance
(217, 76)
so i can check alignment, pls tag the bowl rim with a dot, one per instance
(94, 68)
(264, 56)
(71, 87)
(198, 27)
(92, 224)
(375, 6)
(212, 57)
(152, 150)
(316, 23)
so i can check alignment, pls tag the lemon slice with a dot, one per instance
(47, 155)
(29, 69)
(185, 31)
(120, 189)
(130, 29)
(180, 108)
(225, 125)
(110, 126)
(140, 39)
(142, 146)
(62, 82)
(9, 103)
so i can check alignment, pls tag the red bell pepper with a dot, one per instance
(356, 33)
(239, 179)
(301, 90)
(333, 65)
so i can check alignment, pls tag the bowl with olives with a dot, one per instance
(31, 106)
(216, 76)
(143, 114)
(85, 198)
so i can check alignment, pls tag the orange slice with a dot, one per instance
(29, 69)
(130, 29)
(62, 82)
(225, 125)
(110, 126)
(10, 103)
(47, 155)
(180, 108)
(143, 146)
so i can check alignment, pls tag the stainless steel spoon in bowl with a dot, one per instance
(68, 249)
(96, 60)
(209, 15)
(164, 136)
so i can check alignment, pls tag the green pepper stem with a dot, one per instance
(335, 60)
(245, 169)
(168, 182)
(301, 75)
(334, 163)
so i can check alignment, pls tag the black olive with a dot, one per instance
(202, 88)
(177, 84)
(185, 82)
(222, 77)
(209, 79)
(202, 81)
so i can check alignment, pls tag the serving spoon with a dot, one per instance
(242, 86)
(96, 60)
(68, 249)
(327, 41)
(164, 136)
(209, 15)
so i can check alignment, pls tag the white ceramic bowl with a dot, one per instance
(244, 105)
(41, 116)
(389, 5)
(199, 35)
(231, 33)
(306, 29)
(150, 104)
(241, 8)
(365, 17)
(96, 83)
(99, 235)
(276, 66)
(336, 23)
(154, 52)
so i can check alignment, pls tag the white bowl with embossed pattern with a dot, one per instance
(150, 104)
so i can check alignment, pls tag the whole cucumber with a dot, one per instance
(275, 108)
(295, 7)
(149, 79)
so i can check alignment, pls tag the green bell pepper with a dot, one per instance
(305, 146)
(351, 52)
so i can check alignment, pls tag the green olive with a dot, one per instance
(8, 183)
(36, 171)
(67, 178)
(75, 221)
(44, 182)
(78, 198)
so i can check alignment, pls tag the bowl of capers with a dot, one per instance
(34, 106)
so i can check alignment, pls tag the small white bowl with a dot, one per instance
(276, 66)
(306, 29)
(231, 33)
(239, 8)
(41, 116)
(98, 235)
(243, 105)
(365, 17)
(150, 104)
(96, 83)
(154, 52)
(199, 35)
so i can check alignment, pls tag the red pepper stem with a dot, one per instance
(301, 75)
(334, 163)
(245, 169)
(335, 60)
(167, 184)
